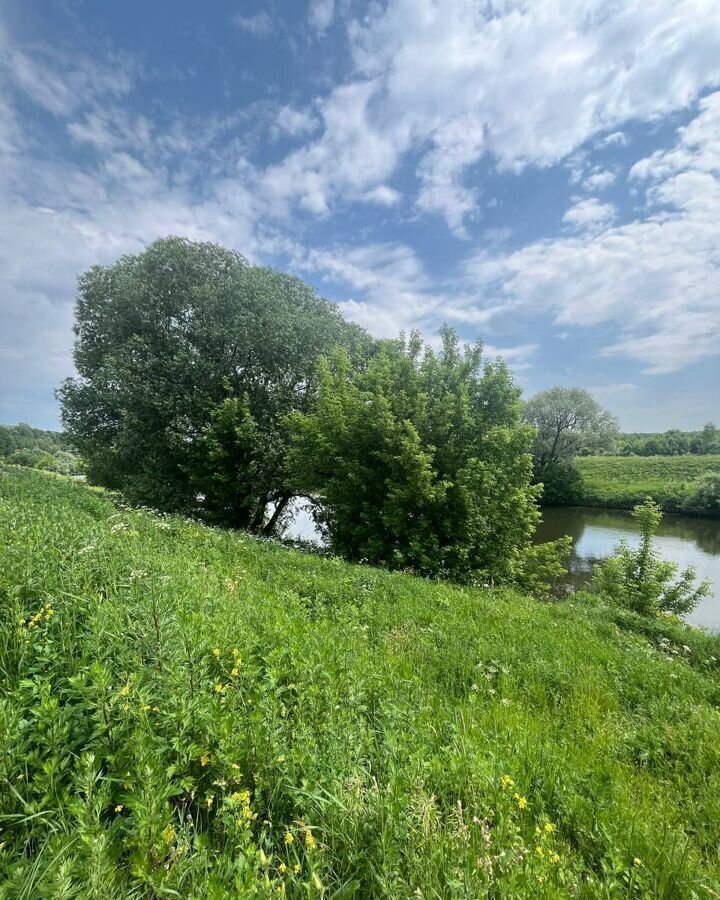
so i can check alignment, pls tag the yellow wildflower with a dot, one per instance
(521, 801)
(235, 672)
(216, 653)
(219, 688)
(210, 800)
(289, 839)
(506, 782)
(282, 868)
(540, 852)
(310, 841)
(637, 861)
(119, 808)
(124, 690)
(554, 858)
(204, 759)
(297, 868)
(549, 828)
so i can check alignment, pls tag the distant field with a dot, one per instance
(622, 481)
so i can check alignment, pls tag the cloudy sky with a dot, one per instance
(544, 174)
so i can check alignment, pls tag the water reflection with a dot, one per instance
(682, 539)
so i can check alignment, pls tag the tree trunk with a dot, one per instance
(279, 507)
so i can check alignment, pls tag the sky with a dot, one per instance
(540, 174)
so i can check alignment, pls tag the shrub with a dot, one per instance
(639, 580)
(705, 494)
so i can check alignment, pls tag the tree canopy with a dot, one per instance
(178, 348)
(420, 460)
(568, 421)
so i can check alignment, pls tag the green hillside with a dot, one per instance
(622, 481)
(188, 712)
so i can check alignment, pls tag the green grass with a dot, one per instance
(181, 707)
(621, 482)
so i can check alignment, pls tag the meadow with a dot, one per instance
(620, 482)
(191, 712)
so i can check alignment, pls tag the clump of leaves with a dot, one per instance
(638, 579)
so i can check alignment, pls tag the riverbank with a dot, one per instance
(620, 482)
(189, 711)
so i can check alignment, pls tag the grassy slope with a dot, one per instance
(622, 481)
(375, 712)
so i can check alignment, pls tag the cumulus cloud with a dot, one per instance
(655, 279)
(589, 213)
(525, 83)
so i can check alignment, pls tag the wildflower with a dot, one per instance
(289, 839)
(210, 800)
(22, 621)
(506, 782)
(119, 808)
(539, 852)
(124, 690)
(521, 801)
(280, 759)
(637, 861)
(219, 688)
(297, 868)
(548, 828)
(216, 653)
(282, 868)
(309, 841)
(204, 759)
(235, 672)
(554, 858)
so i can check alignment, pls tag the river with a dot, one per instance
(595, 532)
(685, 540)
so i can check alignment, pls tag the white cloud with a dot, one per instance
(295, 122)
(260, 24)
(656, 279)
(589, 213)
(599, 180)
(321, 14)
(526, 83)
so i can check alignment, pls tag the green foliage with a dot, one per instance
(22, 445)
(704, 495)
(569, 421)
(562, 484)
(640, 581)
(164, 337)
(672, 443)
(419, 461)
(622, 482)
(175, 700)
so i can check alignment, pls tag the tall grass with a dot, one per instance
(621, 482)
(187, 712)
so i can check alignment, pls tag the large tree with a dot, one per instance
(568, 421)
(420, 460)
(178, 348)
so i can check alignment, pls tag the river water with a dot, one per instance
(682, 539)
(595, 532)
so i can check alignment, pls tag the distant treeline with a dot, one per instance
(670, 443)
(23, 445)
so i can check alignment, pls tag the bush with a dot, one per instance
(638, 580)
(562, 485)
(705, 494)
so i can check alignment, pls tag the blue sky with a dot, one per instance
(544, 175)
